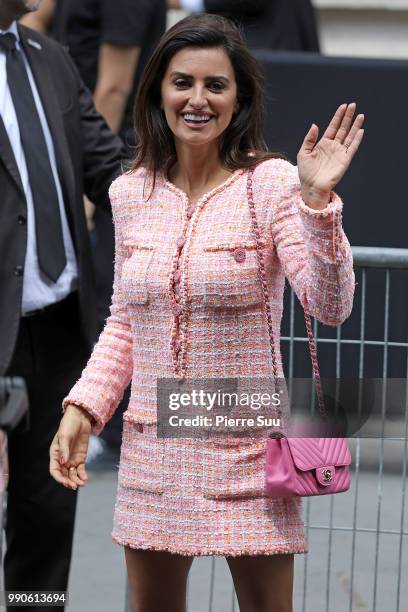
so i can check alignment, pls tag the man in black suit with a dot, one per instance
(110, 43)
(54, 147)
(288, 25)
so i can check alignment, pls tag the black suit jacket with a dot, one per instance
(88, 159)
(272, 24)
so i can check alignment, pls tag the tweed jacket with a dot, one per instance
(210, 323)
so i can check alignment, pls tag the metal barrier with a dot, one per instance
(364, 258)
(344, 570)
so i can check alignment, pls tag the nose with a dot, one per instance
(198, 99)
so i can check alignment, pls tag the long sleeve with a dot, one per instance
(313, 249)
(109, 369)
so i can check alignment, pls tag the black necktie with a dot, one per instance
(50, 243)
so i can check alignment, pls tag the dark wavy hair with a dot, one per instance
(242, 144)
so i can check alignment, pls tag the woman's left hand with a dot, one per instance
(321, 165)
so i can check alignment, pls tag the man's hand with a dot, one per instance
(89, 214)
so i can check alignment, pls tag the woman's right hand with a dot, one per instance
(69, 447)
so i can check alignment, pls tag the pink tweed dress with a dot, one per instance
(185, 305)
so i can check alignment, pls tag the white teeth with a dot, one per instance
(190, 117)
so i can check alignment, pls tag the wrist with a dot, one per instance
(315, 198)
(82, 411)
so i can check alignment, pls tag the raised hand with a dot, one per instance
(322, 164)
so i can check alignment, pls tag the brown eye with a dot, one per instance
(217, 85)
(181, 83)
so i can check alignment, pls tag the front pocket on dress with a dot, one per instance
(234, 467)
(134, 272)
(141, 458)
(231, 275)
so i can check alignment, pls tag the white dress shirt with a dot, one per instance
(38, 290)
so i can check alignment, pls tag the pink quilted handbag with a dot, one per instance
(300, 466)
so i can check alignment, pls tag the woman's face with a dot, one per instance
(199, 83)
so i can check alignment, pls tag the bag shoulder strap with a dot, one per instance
(267, 307)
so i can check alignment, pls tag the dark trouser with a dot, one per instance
(50, 355)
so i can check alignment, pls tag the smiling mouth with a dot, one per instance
(196, 120)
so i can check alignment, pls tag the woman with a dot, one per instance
(186, 305)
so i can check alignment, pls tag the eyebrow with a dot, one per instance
(217, 77)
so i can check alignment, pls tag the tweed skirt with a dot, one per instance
(195, 496)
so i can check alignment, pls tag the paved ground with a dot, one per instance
(98, 575)
(98, 572)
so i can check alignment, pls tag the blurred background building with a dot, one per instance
(364, 28)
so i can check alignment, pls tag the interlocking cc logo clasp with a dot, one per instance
(327, 475)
